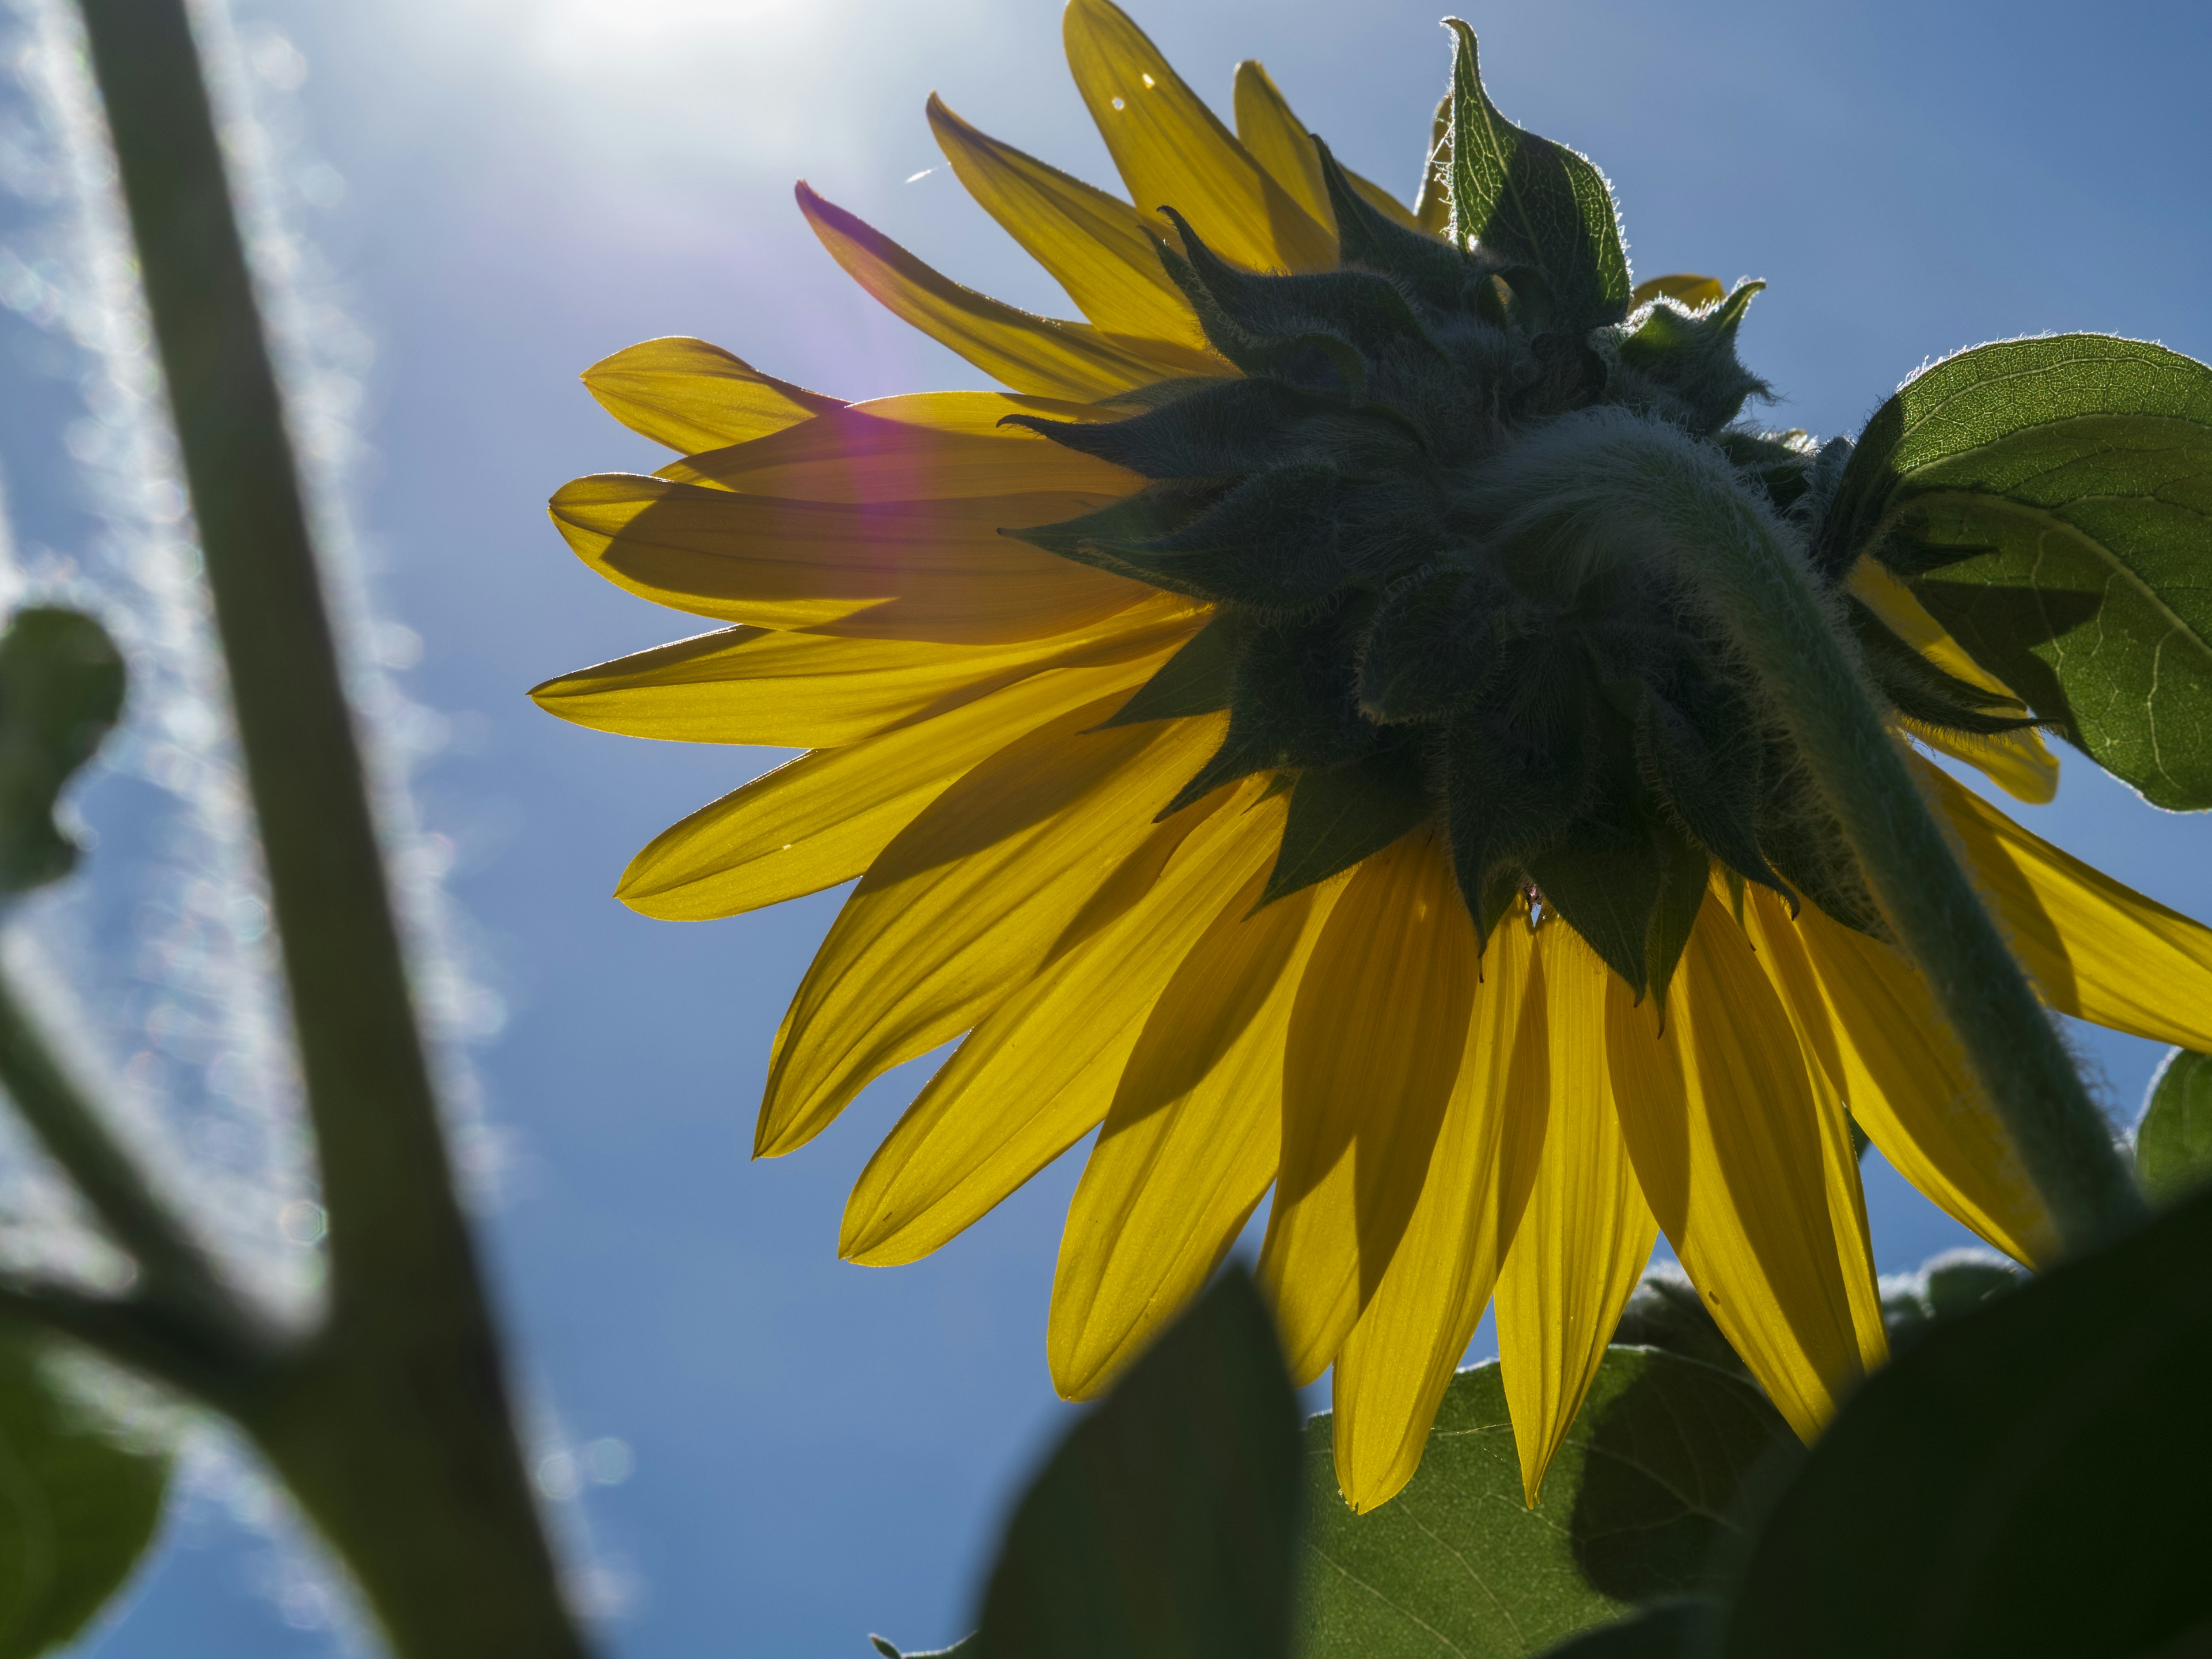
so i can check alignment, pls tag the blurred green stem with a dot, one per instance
(392, 1424)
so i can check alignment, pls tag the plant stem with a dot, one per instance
(394, 1428)
(1754, 579)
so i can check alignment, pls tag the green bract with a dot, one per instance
(1419, 614)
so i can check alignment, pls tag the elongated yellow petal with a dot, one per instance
(1191, 1142)
(901, 570)
(1036, 355)
(1173, 151)
(967, 903)
(796, 690)
(1042, 1070)
(1721, 1122)
(1393, 1367)
(691, 396)
(1782, 952)
(1907, 1083)
(823, 817)
(1680, 286)
(2018, 762)
(1096, 247)
(2094, 948)
(1585, 1233)
(928, 445)
(1375, 1042)
(1280, 143)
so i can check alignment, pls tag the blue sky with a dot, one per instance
(822, 1450)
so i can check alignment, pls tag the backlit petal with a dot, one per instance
(1096, 247)
(1173, 151)
(1585, 1233)
(1042, 1070)
(1191, 1143)
(1375, 1043)
(1393, 1367)
(823, 817)
(795, 690)
(691, 396)
(1284, 145)
(1023, 351)
(2094, 948)
(926, 445)
(910, 570)
(1909, 1088)
(967, 902)
(1721, 1122)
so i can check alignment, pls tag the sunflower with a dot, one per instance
(1234, 788)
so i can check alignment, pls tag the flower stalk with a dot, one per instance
(1753, 577)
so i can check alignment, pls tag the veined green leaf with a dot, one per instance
(1164, 1525)
(2173, 1141)
(77, 1508)
(1669, 1630)
(1456, 1565)
(1532, 202)
(2051, 501)
(2021, 1481)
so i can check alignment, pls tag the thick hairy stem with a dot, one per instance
(1753, 578)
(394, 1428)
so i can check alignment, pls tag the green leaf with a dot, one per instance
(61, 689)
(1532, 202)
(1669, 1630)
(1456, 1565)
(2052, 501)
(1164, 1525)
(2026, 1480)
(1343, 814)
(77, 1508)
(2173, 1140)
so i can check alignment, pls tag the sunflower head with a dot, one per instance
(1416, 614)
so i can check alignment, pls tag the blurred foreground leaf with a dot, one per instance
(2053, 499)
(61, 689)
(2173, 1141)
(2027, 1479)
(76, 1509)
(1456, 1565)
(1164, 1525)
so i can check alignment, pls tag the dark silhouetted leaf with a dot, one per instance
(2173, 1140)
(2053, 499)
(77, 1508)
(2026, 1481)
(61, 689)
(1164, 1525)
(1669, 1630)
(1529, 200)
(1456, 1565)
(1340, 816)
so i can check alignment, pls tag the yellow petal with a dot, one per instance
(823, 817)
(1908, 1085)
(791, 690)
(1433, 206)
(1393, 1367)
(1041, 1071)
(691, 396)
(1685, 290)
(967, 903)
(909, 570)
(1720, 1119)
(1781, 951)
(1096, 247)
(1282, 144)
(2018, 762)
(1585, 1233)
(1019, 349)
(1172, 151)
(1191, 1142)
(1375, 1042)
(928, 445)
(2094, 948)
